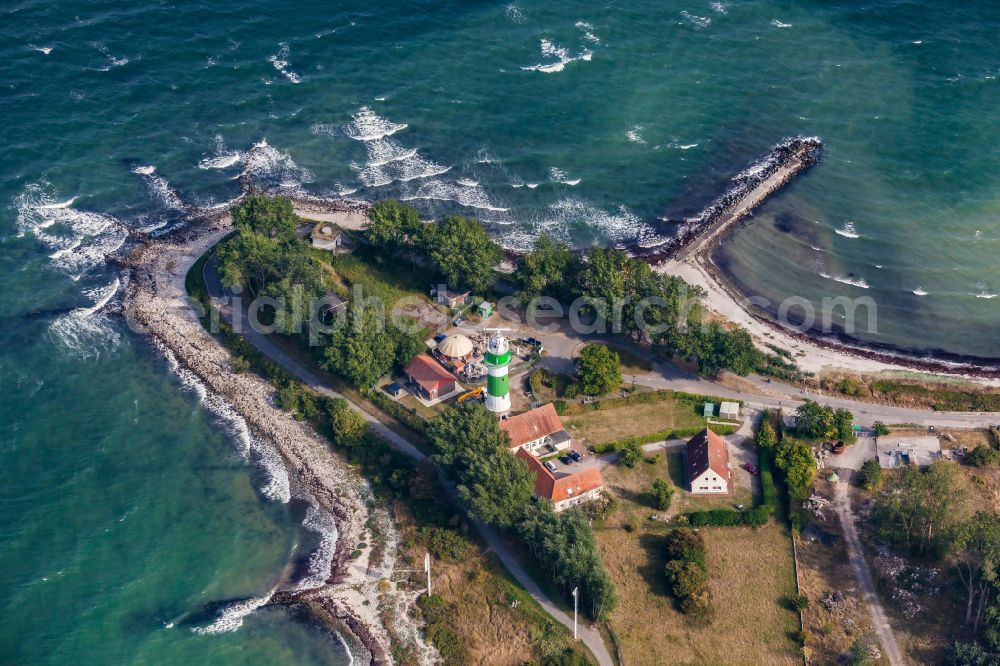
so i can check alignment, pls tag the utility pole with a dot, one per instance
(576, 595)
(427, 569)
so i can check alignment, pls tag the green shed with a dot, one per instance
(709, 409)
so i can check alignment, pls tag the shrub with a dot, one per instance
(801, 602)
(871, 475)
(559, 406)
(630, 454)
(982, 456)
(444, 544)
(661, 493)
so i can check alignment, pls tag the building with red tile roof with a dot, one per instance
(429, 377)
(566, 487)
(538, 431)
(708, 464)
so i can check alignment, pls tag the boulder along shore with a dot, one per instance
(357, 598)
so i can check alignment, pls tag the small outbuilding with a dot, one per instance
(485, 309)
(453, 299)
(327, 237)
(730, 411)
(709, 410)
(394, 390)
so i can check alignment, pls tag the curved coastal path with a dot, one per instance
(590, 636)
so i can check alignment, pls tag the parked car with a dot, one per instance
(565, 460)
(751, 468)
(549, 466)
(575, 457)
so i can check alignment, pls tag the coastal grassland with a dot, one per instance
(913, 389)
(750, 578)
(477, 613)
(608, 425)
(381, 277)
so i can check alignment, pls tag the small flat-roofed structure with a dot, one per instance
(729, 410)
(485, 309)
(708, 410)
(902, 451)
(453, 299)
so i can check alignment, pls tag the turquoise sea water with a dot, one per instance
(128, 506)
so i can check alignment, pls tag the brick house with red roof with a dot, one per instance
(564, 490)
(708, 468)
(539, 431)
(430, 379)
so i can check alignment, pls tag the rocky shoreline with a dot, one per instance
(356, 589)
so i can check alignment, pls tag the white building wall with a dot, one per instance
(710, 483)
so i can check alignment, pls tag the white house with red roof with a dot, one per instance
(708, 464)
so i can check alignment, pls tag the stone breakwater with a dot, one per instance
(156, 305)
(750, 188)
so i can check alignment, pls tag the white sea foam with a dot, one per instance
(280, 62)
(557, 175)
(514, 13)
(919, 291)
(277, 486)
(264, 162)
(321, 559)
(698, 22)
(845, 279)
(160, 188)
(848, 231)
(778, 24)
(41, 49)
(223, 158)
(469, 193)
(231, 617)
(86, 331)
(560, 54)
(366, 125)
(562, 217)
(588, 32)
(985, 294)
(634, 135)
(466, 182)
(112, 60)
(77, 240)
(689, 146)
(719, 8)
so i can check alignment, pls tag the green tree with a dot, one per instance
(871, 475)
(362, 350)
(973, 549)
(766, 437)
(543, 270)
(630, 454)
(923, 506)
(348, 426)
(273, 217)
(843, 422)
(464, 253)
(795, 459)
(393, 225)
(599, 369)
(810, 420)
(880, 429)
(661, 493)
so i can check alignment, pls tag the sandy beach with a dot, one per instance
(350, 599)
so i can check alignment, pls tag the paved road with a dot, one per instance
(562, 344)
(842, 503)
(590, 636)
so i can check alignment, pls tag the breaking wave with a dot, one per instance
(560, 55)
(231, 617)
(846, 279)
(280, 62)
(848, 231)
(77, 240)
(561, 218)
(778, 24)
(697, 22)
(86, 331)
(160, 188)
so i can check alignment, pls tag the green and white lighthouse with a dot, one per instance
(498, 357)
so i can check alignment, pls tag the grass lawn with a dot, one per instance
(387, 279)
(629, 361)
(751, 578)
(608, 425)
